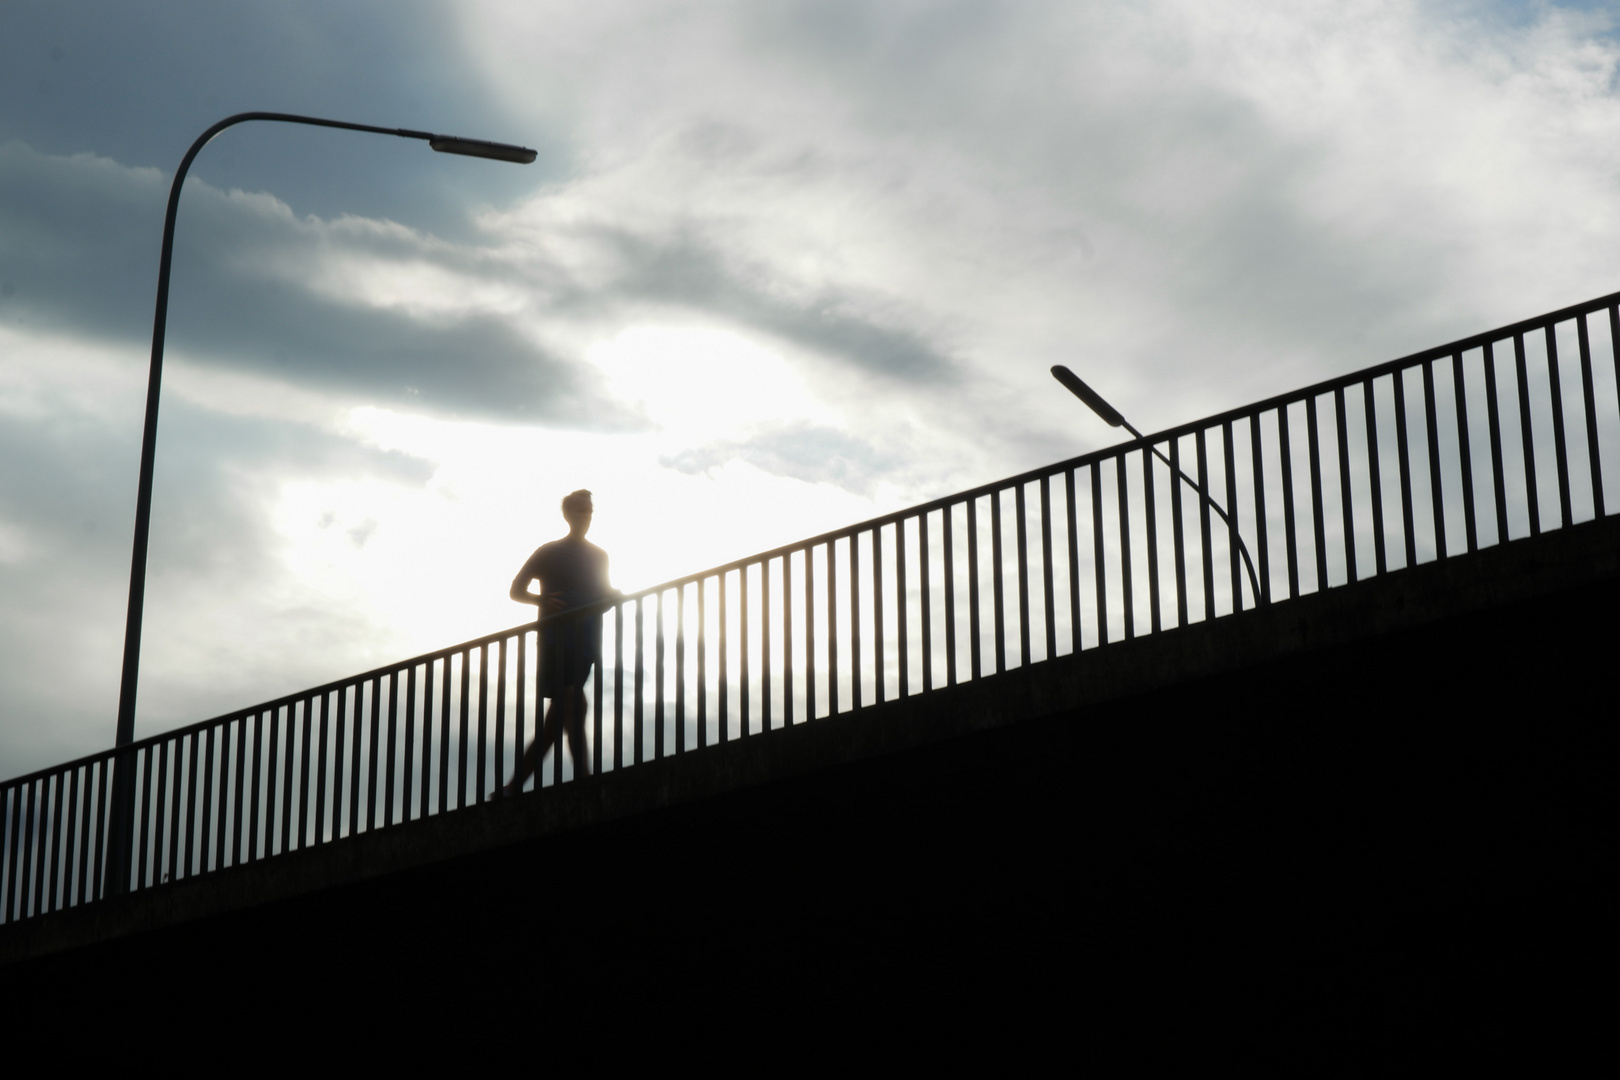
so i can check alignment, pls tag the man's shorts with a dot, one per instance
(568, 656)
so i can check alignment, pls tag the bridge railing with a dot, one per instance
(1482, 441)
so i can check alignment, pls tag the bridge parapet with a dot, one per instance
(1473, 445)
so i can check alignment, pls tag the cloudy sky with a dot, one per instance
(780, 266)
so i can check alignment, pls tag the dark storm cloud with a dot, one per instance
(688, 272)
(138, 81)
(78, 240)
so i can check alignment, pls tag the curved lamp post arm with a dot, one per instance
(1112, 417)
(448, 144)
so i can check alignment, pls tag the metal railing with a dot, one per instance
(1354, 477)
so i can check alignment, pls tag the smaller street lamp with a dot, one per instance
(1111, 416)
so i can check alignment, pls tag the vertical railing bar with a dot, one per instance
(1465, 456)
(1021, 537)
(1560, 449)
(1532, 488)
(1313, 443)
(1262, 522)
(321, 773)
(597, 681)
(144, 821)
(723, 678)
(1206, 545)
(256, 785)
(177, 802)
(1234, 538)
(99, 831)
(464, 719)
(1126, 596)
(42, 857)
(997, 593)
(287, 778)
(1151, 537)
(1346, 497)
(16, 890)
(1285, 447)
(658, 679)
(303, 776)
(1074, 561)
(358, 735)
(765, 645)
(29, 899)
(1100, 574)
(810, 632)
(73, 876)
(832, 627)
(901, 606)
(238, 795)
(223, 829)
(1404, 461)
(520, 713)
(444, 729)
(702, 663)
(948, 569)
(1048, 595)
(787, 639)
(1589, 402)
(680, 669)
(376, 743)
(1375, 468)
(926, 587)
(387, 748)
(1436, 492)
(207, 823)
(80, 797)
(80, 822)
(500, 724)
(339, 743)
(481, 768)
(155, 826)
(639, 703)
(188, 860)
(854, 622)
(620, 759)
(53, 883)
(1493, 417)
(975, 647)
(1178, 542)
(408, 771)
(880, 674)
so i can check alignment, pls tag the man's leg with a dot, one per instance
(550, 732)
(575, 721)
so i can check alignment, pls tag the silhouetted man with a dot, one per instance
(572, 573)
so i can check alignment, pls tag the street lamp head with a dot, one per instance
(450, 144)
(1094, 400)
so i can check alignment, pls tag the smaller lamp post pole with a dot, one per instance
(1111, 416)
(123, 801)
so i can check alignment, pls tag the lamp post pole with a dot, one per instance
(123, 778)
(1112, 417)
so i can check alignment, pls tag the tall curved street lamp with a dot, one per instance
(1111, 416)
(124, 789)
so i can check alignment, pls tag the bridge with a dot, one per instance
(1305, 706)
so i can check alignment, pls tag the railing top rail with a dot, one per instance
(1081, 461)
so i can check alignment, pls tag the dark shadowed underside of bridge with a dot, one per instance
(1364, 807)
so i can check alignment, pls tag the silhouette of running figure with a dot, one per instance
(572, 572)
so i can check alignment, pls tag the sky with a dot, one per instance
(778, 267)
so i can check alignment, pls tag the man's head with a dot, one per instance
(577, 510)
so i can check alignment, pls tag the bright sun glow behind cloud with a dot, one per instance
(434, 562)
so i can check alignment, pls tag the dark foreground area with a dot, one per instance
(1389, 848)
